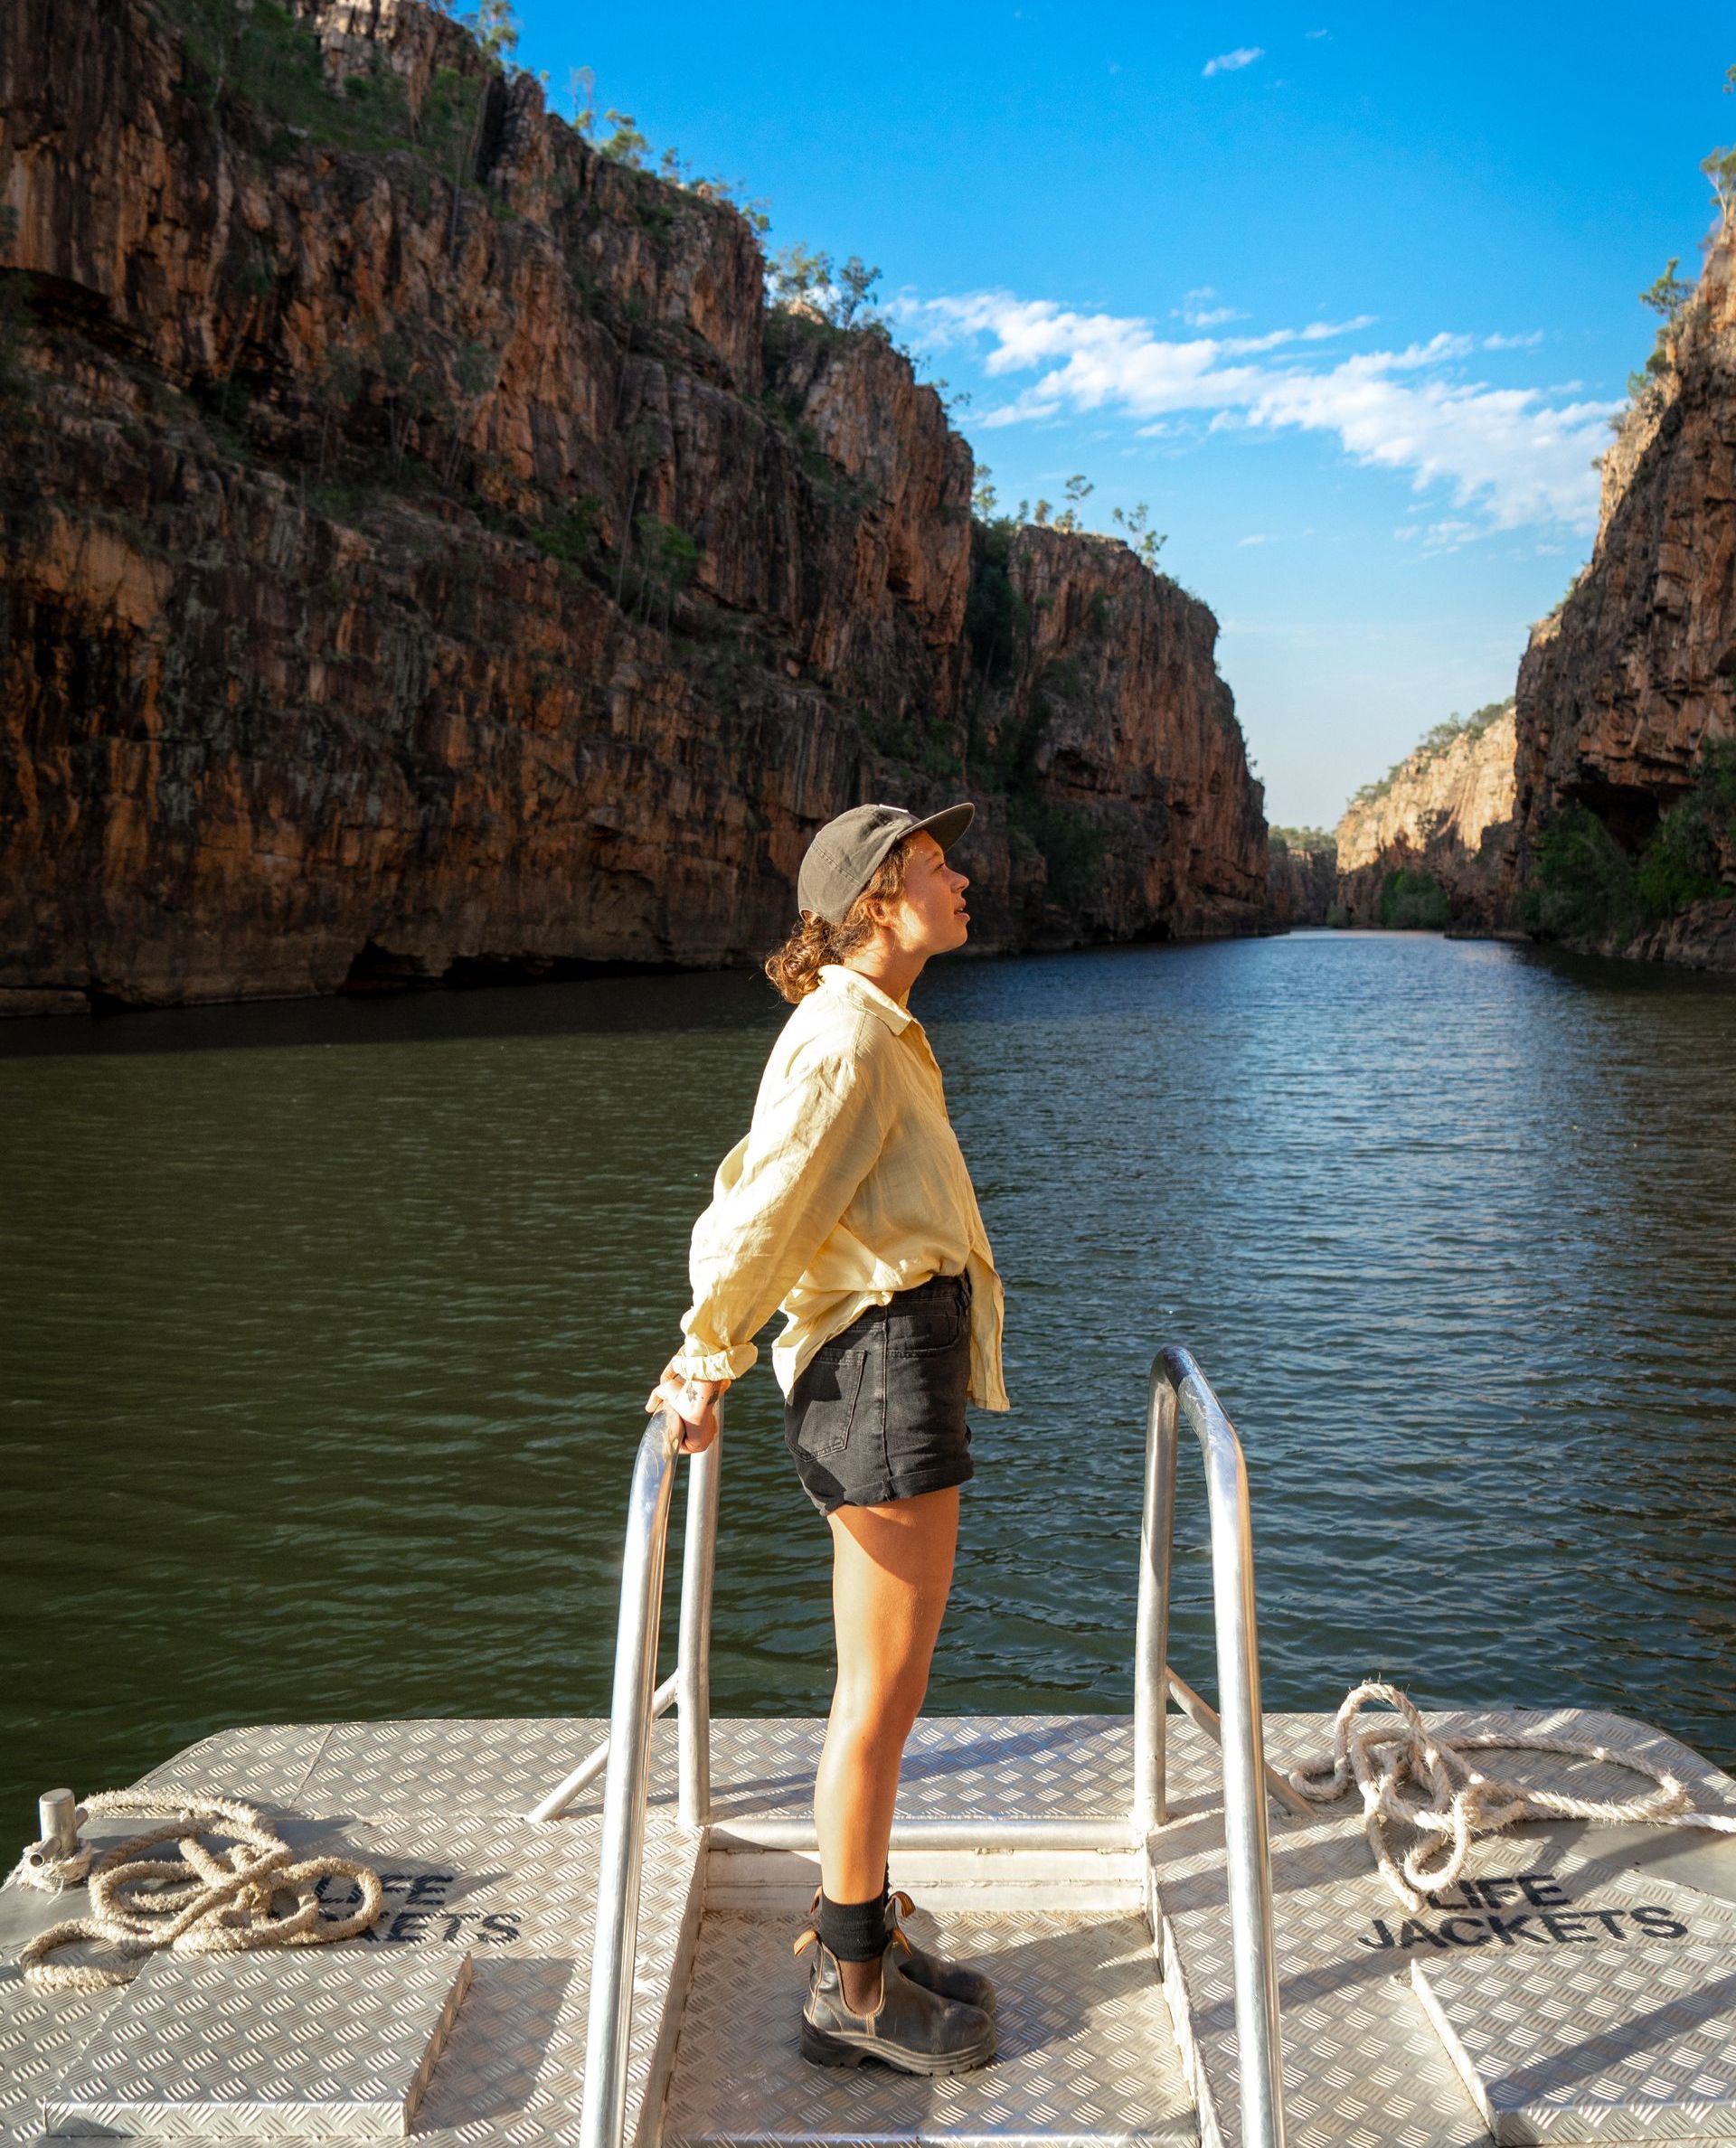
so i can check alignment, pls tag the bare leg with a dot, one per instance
(892, 1569)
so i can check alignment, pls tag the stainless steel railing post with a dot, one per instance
(694, 1665)
(1260, 2056)
(1151, 1625)
(626, 1789)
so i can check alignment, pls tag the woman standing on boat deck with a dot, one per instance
(847, 1204)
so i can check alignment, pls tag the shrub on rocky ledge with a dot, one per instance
(1414, 903)
(1585, 886)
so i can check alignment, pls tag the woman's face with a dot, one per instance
(929, 918)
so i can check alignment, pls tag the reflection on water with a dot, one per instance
(326, 1327)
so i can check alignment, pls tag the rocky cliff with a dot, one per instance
(425, 557)
(1625, 796)
(1093, 706)
(1434, 838)
(1301, 877)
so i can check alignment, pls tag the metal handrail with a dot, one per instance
(626, 1786)
(1179, 1388)
(689, 1686)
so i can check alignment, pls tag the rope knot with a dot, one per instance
(219, 1897)
(1413, 1778)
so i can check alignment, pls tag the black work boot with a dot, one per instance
(947, 1980)
(913, 2029)
(950, 1980)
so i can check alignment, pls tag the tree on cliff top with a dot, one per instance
(1146, 541)
(1079, 489)
(807, 283)
(1141, 539)
(1674, 297)
(1308, 841)
(1720, 168)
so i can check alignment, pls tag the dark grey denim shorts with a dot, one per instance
(878, 1412)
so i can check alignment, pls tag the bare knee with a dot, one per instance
(873, 1710)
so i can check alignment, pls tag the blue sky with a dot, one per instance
(1348, 308)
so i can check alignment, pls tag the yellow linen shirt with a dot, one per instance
(849, 1185)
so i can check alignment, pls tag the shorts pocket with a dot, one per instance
(932, 1328)
(832, 1388)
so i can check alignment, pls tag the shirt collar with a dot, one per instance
(852, 984)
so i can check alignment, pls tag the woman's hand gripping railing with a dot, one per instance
(1179, 1388)
(627, 1751)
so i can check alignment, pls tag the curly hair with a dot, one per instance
(795, 968)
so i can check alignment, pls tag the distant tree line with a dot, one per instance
(1308, 841)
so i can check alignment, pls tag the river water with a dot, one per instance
(325, 1329)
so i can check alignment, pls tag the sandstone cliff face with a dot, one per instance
(1098, 714)
(1625, 688)
(1301, 882)
(404, 580)
(1447, 812)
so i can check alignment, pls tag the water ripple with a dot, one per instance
(326, 1328)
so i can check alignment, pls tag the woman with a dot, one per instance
(848, 1205)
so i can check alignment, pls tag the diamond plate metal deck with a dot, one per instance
(265, 1764)
(517, 1898)
(279, 2044)
(436, 1805)
(1086, 2055)
(1363, 2063)
(1641, 2047)
(955, 1767)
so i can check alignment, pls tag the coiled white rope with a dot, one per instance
(210, 1899)
(1410, 1776)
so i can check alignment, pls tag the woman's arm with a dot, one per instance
(778, 1196)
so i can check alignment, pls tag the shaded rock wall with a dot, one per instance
(1301, 884)
(1624, 686)
(1447, 812)
(422, 557)
(1101, 719)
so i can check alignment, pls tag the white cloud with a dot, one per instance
(1194, 310)
(1512, 454)
(1260, 538)
(1514, 342)
(1448, 536)
(1317, 33)
(1227, 62)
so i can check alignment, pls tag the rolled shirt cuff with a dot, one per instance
(694, 1362)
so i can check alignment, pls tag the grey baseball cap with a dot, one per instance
(845, 854)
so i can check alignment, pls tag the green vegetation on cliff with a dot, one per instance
(1432, 745)
(1315, 842)
(1674, 298)
(452, 490)
(1414, 902)
(1585, 886)
(999, 625)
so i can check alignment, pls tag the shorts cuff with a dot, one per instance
(907, 1486)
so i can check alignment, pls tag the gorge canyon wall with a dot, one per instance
(1598, 809)
(1301, 878)
(426, 558)
(1445, 811)
(1625, 781)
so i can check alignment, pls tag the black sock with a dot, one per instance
(853, 1931)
